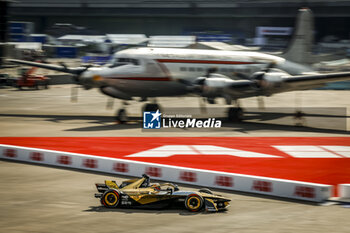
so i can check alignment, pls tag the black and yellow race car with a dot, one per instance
(141, 193)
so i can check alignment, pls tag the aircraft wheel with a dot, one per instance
(151, 108)
(122, 116)
(235, 114)
(110, 199)
(194, 202)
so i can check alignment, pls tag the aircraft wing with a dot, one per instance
(64, 69)
(248, 88)
(304, 82)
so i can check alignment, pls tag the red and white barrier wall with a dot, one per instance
(215, 179)
(344, 190)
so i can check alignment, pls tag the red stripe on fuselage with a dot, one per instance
(142, 78)
(206, 62)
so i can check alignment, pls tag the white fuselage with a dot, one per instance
(152, 72)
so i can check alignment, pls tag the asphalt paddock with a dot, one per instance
(48, 113)
(45, 199)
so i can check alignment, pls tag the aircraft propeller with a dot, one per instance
(198, 86)
(78, 81)
(74, 94)
(202, 105)
(76, 78)
(257, 77)
(110, 103)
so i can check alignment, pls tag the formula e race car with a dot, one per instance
(141, 193)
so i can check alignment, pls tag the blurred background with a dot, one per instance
(87, 31)
(264, 23)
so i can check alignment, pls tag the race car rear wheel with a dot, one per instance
(194, 202)
(110, 199)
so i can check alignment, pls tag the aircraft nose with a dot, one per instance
(97, 78)
(90, 80)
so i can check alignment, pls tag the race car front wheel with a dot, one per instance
(194, 202)
(110, 199)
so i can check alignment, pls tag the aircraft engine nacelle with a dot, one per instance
(268, 82)
(115, 93)
(214, 85)
(272, 80)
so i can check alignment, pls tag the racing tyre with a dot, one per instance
(205, 190)
(194, 202)
(110, 199)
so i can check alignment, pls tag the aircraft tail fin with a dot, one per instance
(300, 46)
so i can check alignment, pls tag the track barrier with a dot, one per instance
(214, 179)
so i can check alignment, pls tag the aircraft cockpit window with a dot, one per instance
(124, 61)
(128, 60)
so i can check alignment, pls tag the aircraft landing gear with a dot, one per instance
(151, 108)
(235, 114)
(121, 115)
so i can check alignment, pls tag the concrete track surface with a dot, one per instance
(44, 199)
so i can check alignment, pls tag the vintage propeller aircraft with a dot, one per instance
(158, 72)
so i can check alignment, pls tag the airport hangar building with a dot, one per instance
(180, 17)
